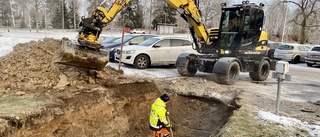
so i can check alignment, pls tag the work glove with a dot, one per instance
(168, 125)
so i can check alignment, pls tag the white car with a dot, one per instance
(135, 31)
(156, 50)
(294, 53)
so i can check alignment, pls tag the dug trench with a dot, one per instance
(122, 110)
(41, 98)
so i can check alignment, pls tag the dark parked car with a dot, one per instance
(132, 39)
(272, 47)
(109, 40)
(313, 56)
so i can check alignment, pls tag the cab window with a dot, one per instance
(164, 43)
(176, 43)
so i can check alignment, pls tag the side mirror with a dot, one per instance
(156, 46)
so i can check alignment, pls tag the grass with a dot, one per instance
(245, 123)
(16, 106)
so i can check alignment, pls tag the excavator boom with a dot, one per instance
(190, 12)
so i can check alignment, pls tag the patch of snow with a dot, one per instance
(313, 130)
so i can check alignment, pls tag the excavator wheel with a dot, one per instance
(262, 73)
(188, 69)
(231, 76)
(75, 54)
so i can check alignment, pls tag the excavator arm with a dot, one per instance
(92, 27)
(190, 12)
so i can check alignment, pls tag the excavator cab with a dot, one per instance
(240, 31)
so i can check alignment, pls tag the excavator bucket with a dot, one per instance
(75, 54)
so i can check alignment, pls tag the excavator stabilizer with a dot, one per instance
(75, 54)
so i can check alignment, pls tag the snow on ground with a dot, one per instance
(313, 130)
(10, 39)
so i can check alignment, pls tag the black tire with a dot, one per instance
(232, 75)
(296, 60)
(142, 62)
(143, 33)
(309, 64)
(189, 69)
(262, 73)
(172, 65)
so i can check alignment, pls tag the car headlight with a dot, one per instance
(128, 52)
(109, 49)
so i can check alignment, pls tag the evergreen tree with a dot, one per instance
(57, 19)
(23, 23)
(43, 22)
(164, 14)
(66, 17)
(132, 16)
(74, 15)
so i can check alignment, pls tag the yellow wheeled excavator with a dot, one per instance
(239, 44)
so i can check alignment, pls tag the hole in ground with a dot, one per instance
(124, 111)
(194, 116)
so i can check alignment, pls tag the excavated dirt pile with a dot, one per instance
(41, 98)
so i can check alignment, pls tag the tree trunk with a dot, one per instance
(62, 7)
(74, 15)
(13, 22)
(303, 31)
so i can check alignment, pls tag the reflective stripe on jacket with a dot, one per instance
(158, 114)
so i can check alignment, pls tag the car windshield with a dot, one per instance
(125, 39)
(108, 39)
(316, 49)
(149, 42)
(285, 47)
(273, 45)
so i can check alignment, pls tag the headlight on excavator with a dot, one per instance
(227, 52)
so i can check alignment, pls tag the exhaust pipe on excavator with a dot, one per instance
(75, 54)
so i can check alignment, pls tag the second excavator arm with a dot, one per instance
(90, 28)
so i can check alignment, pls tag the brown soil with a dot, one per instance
(41, 98)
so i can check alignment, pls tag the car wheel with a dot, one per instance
(231, 76)
(143, 33)
(142, 62)
(296, 60)
(134, 32)
(309, 64)
(262, 73)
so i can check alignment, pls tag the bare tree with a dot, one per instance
(37, 5)
(303, 17)
(210, 11)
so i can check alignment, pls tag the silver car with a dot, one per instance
(313, 56)
(291, 52)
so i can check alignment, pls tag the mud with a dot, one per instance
(41, 98)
